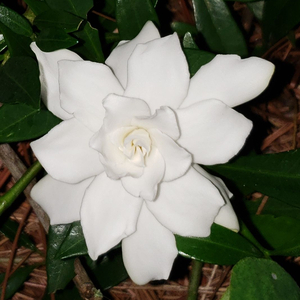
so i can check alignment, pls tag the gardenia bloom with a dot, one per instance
(124, 160)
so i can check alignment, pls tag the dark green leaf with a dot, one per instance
(57, 19)
(9, 228)
(188, 42)
(69, 293)
(37, 6)
(77, 7)
(276, 175)
(132, 15)
(59, 272)
(109, 269)
(51, 39)
(20, 82)
(74, 243)
(183, 28)
(15, 281)
(279, 17)
(257, 8)
(3, 44)
(281, 234)
(215, 22)
(18, 24)
(21, 122)
(18, 45)
(196, 59)
(242, 0)
(262, 279)
(108, 9)
(223, 247)
(89, 46)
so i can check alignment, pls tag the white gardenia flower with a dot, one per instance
(124, 160)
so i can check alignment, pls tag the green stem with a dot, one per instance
(195, 279)
(8, 199)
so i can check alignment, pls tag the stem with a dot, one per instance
(8, 199)
(195, 279)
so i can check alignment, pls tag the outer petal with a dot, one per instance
(49, 77)
(188, 205)
(108, 215)
(65, 153)
(83, 86)
(146, 185)
(230, 79)
(177, 159)
(158, 73)
(212, 131)
(149, 253)
(226, 216)
(118, 58)
(61, 201)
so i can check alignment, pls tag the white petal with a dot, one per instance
(164, 119)
(226, 216)
(65, 153)
(230, 79)
(83, 86)
(177, 159)
(146, 185)
(61, 201)
(118, 58)
(149, 253)
(158, 73)
(188, 205)
(49, 77)
(211, 131)
(108, 215)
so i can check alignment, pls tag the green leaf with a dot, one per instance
(281, 233)
(89, 46)
(16, 280)
(182, 28)
(215, 22)
(242, 1)
(3, 44)
(257, 8)
(51, 39)
(21, 122)
(279, 17)
(132, 15)
(74, 243)
(57, 19)
(196, 59)
(18, 45)
(276, 175)
(262, 279)
(77, 7)
(222, 247)
(20, 82)
(226, 295)
(188, 42)
(18, 24)
(69, 293)
(37, 6)
(108, 270)
(9, 228)
(60, 272)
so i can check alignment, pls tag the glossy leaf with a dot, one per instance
(60, 272)
(280, 233)
(188, 42)
(69, 293)
(21, 122)
(215, 22)
(196, 59)
(276, 175)
(3, 44)
(279, 18)
(76, 7)
(18, 45)
(51, 39)
(262, 279)
(182, 28)
(57, 19)
(257, 8)
(20, 82)
(74, 243)
(222, 247)
(89, 46)
(109, 269)
(14, 21)
(132, 15)
(9, 228)
(37, 6)
(15, 281)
